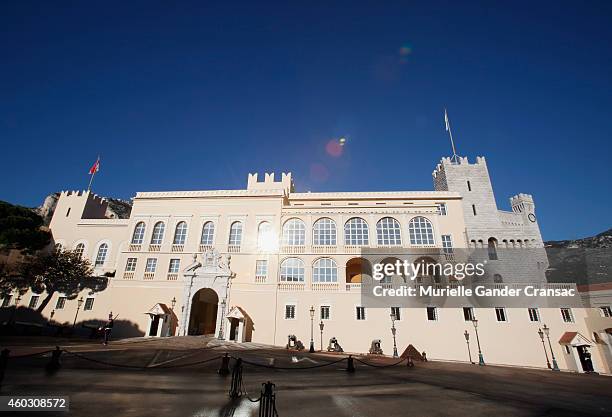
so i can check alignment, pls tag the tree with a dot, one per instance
(59, 271)
(20, 228)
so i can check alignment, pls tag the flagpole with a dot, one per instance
(455, 157)
(90, 181)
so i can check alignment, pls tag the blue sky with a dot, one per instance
(194, 95)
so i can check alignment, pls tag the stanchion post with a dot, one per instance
(235, 385)
(224, 369)
(350, 366)
(267, 401)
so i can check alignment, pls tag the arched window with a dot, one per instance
(388, 231)
(235, 236)
(325, 270)
(324, 232)
(497, 278)
(180, 233)
(101, 256)
(208, 233)
(158, 233)
(265, 237)
(421, 231)
(138, 235)
(292, 270)
(492, 248)
(294, 232)
(356, 232)
(80, 248)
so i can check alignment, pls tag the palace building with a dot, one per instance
(249, 265)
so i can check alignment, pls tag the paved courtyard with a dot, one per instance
(177, 377)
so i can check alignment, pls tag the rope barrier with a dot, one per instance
(31, 355)
(380, 366)
(290, 367)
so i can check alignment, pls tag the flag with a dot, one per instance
(446, 121)
(95, 167)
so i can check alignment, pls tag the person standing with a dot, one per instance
(108, 327)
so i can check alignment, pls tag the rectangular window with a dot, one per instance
(289, 312)
(566, 314)
(432, 313)
(33, 301)
(534, 314)
(325, 312)
(173, 267)
(130, 265)
(606, 311)
(447, 244)
(6, 301)
(61, 302)
(442, 209)
(500, 313)
(89, 304)
(360, 311)
(474, 209)
(261, 268)
(151, 265)
(395, 311)
(468, 313)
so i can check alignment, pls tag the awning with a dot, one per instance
(574, 339)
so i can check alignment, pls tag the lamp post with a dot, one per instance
(79, 304)
(51, 315)
(312, 311)
(481, 361)
(171, 327)
(393, 330)
(221, 336)
(555, 366)
(467, 340)
(321, 326)
(541, 334)
(173, 301)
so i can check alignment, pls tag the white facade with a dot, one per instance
(248, 265)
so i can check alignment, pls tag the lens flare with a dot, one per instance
(334, 148)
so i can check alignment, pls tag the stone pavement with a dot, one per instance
(178, 378)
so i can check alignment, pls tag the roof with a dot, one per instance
(159, 308)
(574, 339)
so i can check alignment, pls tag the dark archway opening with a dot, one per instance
(203, 317)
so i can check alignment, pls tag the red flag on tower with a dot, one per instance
(95, 167)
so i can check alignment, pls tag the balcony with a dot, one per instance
(135, 248)
(260, 279)
(128, 275)
(324, 286)
(149, 275)
(154, 248)
(177, 248)
(353, 287)
(204, 248)
(172, 277)
(292, 249)
(233, 248)
(324, 249)
(291, 286)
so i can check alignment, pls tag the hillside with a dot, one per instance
(600, 241)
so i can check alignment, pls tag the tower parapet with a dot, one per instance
(285, 184)
(73, 206)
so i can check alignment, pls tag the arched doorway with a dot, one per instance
(203, 317)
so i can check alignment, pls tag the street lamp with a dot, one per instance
(312, 311)
(393, 330)
(173, 301)
(467, 340)
(321, 326)
(546, 329)
(480, 357)
(79, 304)
(51, 315)
(541, 334)
(17, 301)
(222, 319)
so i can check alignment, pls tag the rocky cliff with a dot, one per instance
(118, 209)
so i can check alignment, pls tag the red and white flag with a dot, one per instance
(95, 167)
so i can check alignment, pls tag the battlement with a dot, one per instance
(92, 198)
(269, 183)
(522, 203)
(462, 161)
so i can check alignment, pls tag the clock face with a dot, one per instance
(532, 217)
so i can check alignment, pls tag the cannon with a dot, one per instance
(294, 343)
(375, 348)
(334, 346)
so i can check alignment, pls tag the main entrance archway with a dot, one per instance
(203, 317)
